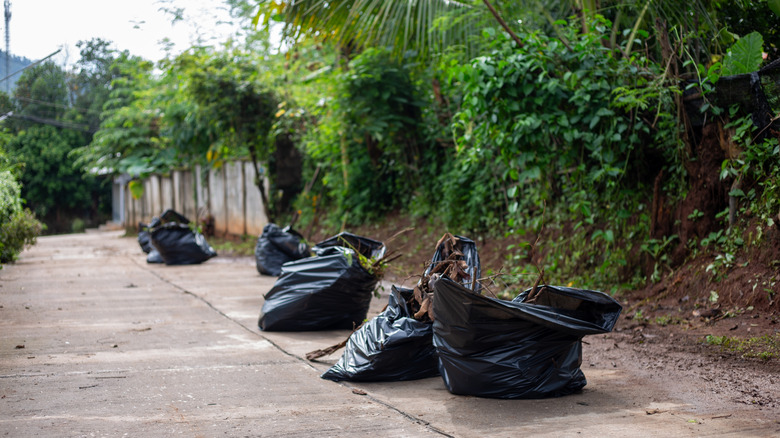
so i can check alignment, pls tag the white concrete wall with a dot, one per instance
(235, 220)
(167, 198)
(255, 215)
(228, 194)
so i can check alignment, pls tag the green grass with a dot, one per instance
(763, 347)
(241, 246)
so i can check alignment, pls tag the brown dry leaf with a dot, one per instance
(424, 306)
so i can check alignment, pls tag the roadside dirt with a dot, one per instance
(718, 356)
(664, 329)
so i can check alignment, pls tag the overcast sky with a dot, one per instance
(40, 27)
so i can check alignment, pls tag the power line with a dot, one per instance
(52, 122)
(57, 105)
(31, 65)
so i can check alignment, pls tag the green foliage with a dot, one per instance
(128, 138)
(231, 101)
(243, 246)
(10, 195)
(421, 29)
(41, 92)
(21, 230)
(774, 5)
(553, 120)
(52, 185)
(757, 166)
(226, 108)
(547, 135)
(44, 130)
(369, 136)
(18, 226)
(658, 250)
(763, 347)
(90, 83)
(744, 56)
(744, 17)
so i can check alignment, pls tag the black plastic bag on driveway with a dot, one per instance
(470, 255)
(489, 347)
(368, 248)
(397, 344)
(392, 346)
(176, 242)
(145, 241)
(154, 256)
(144, 238)
(277, 246)
(330, 291)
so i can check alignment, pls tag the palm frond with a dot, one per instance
(399, 25)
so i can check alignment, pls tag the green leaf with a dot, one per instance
(774, 5)
(713, 72)
(745, 56)
(737, 193)
(136, 188)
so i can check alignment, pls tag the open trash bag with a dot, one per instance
(397, 344)
(489, 347)
(369, 248)
(330, 291)
(392, 346)
(470, 255)
(177, 243)
(277, 246)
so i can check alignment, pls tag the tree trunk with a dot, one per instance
(261, 186)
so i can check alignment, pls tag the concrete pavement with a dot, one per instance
(95, 342)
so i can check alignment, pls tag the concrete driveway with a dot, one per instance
(96, 342)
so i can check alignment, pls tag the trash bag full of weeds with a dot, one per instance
(392, 346)
(530, 347)
(397, 344)
(177, 242)
(329, 291)
(368, 248)
(277, 246)
(453, 247)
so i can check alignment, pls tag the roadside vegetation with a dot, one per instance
(607, 143)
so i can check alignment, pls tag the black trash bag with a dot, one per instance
(168, 216)
(144, 239)
(369, 248)
(177, 243)
(277, 246)
(470, 254)
(154, 256)
(393, 346)
(756, 93)
(489, 347)
(330, 291)
(144, 230)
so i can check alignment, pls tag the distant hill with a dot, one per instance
(16, 63)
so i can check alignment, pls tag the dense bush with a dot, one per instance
(369, 138)
(18, 226)
(55, 189)
(552, 125)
